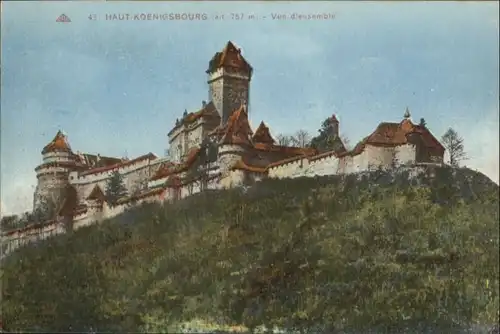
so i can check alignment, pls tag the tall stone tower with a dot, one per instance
(229, 76)
(53, 173)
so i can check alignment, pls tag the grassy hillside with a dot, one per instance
(379, 250)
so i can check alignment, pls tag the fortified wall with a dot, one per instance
(213, 147)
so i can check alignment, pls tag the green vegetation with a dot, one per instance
(379, 250)
(115, 188)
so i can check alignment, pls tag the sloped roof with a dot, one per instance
(207, 111)
(96, 160)
(262, 135)
(243, 165)
(288, 150)
(59, 143)
(230, 56)
(393, 134)
(238, 129)
(149, 156)
(97, 194)
(172, 168)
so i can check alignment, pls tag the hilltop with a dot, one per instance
(379, 250)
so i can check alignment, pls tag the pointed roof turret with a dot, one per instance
(230, 56)
(262, 135)
(59, 143)
(238, 129)
(407, 114)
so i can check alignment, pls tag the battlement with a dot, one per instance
(103, 173)
(214, 147)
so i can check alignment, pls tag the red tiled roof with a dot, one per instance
(238, 129)
(171, 168)
(96, 194)
(207, 111)
(428, 138)
(393, 134)
(386, 134)
(192, 155)
(166, 169)
(33, 226)
(96, 161)
(59, 143)
(293, 151)
(242, 165)
(284, 161)
(229, 57)
(149, 156)
(262, 135)
(326, 155)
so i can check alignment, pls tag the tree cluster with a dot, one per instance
(323, 141)
(317, 254)
(115, 189)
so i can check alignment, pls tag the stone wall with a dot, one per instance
(135, 176)
(50, 187)
(187, 136)
(57, 157)
(372, 157)
(228, 155)
(15, 239)
(228, 89)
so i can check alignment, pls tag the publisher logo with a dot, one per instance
(63, 18)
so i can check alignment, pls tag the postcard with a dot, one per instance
(264, 166)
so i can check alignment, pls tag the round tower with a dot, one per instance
(53, 174)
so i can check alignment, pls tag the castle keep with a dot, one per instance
(211, 148)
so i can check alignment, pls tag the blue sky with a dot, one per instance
(116, 87)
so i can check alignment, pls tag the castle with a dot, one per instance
(212, 148)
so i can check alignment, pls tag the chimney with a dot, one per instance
(203, 103)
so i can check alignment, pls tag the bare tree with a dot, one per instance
(301, 138)
(346, 141)
(455, 146)
(283, 140)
